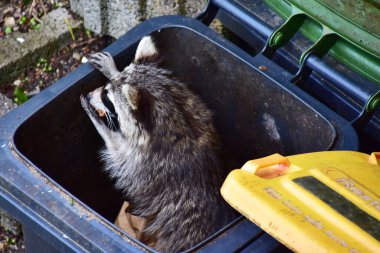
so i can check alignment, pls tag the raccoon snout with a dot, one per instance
(95, 94)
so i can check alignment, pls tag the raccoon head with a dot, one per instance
(147, 104)
(123, 106)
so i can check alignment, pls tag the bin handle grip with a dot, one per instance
(282, 35)
(268, 167)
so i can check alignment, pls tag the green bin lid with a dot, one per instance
(356, 22)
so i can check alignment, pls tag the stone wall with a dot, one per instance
(16, 56)
(116, 17)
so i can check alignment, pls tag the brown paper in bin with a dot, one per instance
(133, 225)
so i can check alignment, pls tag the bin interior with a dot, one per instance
(254, 116)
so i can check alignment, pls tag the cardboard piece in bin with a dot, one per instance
(133, 225)
(316, 202)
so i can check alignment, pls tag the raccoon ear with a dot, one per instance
(132, 94)
(146, 51)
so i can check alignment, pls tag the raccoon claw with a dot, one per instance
(85, 104)
(104, 62)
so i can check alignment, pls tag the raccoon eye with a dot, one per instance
(107, 102)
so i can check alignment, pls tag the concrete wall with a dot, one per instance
(16, 56)
(116, 17)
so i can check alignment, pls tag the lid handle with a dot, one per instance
(268, 167)
(374, 158)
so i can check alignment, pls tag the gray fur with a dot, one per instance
(165, 154)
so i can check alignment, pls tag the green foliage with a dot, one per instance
(41, 61)
(34, 24)
(70, 28)
(27, 1)
(44, 65)
(57, 4)
(19, 96)
(9, 241)
(8, 30)
(36, 27)
(22, 20)
(88, 33)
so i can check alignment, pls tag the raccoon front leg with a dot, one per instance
(104, 62)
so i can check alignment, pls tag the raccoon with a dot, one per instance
(162, 149)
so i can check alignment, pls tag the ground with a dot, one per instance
(11, 242)
(24, 15)
(46, 71)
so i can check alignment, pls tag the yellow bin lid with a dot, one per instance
(317, 202)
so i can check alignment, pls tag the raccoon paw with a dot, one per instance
(104, 62)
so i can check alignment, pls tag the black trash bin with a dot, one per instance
(51, 177)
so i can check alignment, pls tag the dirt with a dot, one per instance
(46, 71)
(11, 243)
(24, 15)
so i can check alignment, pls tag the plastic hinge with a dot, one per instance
(326, 41)
(282, 35)
(208, 14)
(319, 49)
(367, 112)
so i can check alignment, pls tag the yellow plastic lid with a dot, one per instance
(317, 202)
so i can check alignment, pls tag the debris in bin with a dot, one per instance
(84, 59)
(263, 68)
(133, 225)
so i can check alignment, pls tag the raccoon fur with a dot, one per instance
(162, 149)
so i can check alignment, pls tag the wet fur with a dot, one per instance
(166, 155)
